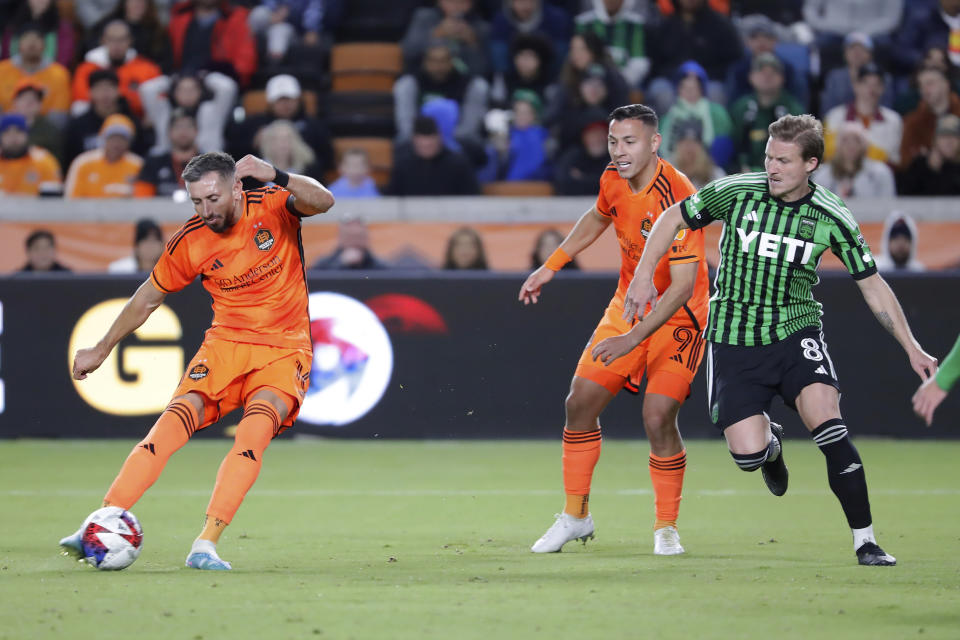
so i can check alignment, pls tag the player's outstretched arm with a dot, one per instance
(138, 308)
(309, 196)
(888, 312)
(588, 228)
(934, 390)
(641, 290)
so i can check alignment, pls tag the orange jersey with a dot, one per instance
(54, 78)
(92, 176)
(36, 170)
(634, 214)
(253, 271)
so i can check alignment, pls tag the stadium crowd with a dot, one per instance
(111, 98)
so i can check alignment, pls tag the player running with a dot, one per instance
(257, 354)
(764, 333)
(635, 188)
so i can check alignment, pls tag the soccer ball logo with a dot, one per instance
(112, 539)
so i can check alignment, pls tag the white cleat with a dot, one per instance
(565, 529)
(666, 542)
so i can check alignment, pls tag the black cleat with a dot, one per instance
(775, 472)
(870, 554)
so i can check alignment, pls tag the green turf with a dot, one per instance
(431, 540)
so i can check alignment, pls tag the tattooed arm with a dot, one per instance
(888, 312)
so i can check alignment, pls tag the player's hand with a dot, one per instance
(256, 168)
(608, 350)
(530, 291)
(640, 293)
(923, 363)
(87, 361)
(927, 398)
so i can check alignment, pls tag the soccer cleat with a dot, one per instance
(775, 472)
(872, 555)
(203, 555)
(565, 529)
(666, 542)
(72, 545)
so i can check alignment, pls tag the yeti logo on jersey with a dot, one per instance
(263, 239)
(770, 245)
(807, 227)
(645, 227)
(199, 372)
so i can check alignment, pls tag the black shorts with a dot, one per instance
(743, 380)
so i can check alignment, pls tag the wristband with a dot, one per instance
(557, 260)
(282, 178)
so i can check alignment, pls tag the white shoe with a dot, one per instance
(203, 555)
(666, 542)
(565, 529)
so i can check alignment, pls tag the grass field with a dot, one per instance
(431, 540)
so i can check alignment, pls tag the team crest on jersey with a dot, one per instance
(645, 227)
(199, 372)
(807, 228)
(263, 239)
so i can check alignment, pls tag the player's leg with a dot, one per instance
(667, 465)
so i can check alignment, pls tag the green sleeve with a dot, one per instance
(950, 368)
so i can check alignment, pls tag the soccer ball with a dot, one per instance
(111, 539)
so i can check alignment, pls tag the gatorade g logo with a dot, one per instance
(141, 373)
(199, 372)
(263, 239)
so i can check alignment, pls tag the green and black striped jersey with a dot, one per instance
(769, 254)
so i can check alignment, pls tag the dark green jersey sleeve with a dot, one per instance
(714, 200)
(847, 243)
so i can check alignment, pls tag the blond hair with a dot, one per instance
(301, 155)
(805, 131)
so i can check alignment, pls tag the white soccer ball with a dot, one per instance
(112, 539)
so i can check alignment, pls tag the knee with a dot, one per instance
(578, 412)
(657, 424)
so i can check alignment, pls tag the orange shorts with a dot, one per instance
(228, 373)
(670, 358)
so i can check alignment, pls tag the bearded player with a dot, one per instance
(635, 189)
(245, 246)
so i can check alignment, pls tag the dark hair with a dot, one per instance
(640, 112)
(103, 74)
(217, 161)
(805, 131)
(179, 112)
(39, 234)
(425, 126)
(931, 67)
(480, 262)
(146, 228)
(536, 260)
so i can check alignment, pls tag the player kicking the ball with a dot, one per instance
(764, 330)
(635, 188)
(257, 354)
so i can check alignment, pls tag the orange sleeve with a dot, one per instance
(173, 271)
(689, 245)
(603, 205)
(81, 81)
(49, 169)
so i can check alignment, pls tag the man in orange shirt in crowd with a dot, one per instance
(25, 169)
(109, 171)
(30, 63)
(245, 246)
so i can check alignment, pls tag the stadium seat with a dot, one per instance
(518, 188)
(375, 20)
(379, 150)
(255, 101)
(365, 66)
(361, 113)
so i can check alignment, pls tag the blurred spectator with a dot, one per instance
(41, 253)
(58, 33)
(90, 12)
(752, 114)
(353, 248)
(30, 62)
(456, 24)
(936, 173)
(883, 126)
(83, 131)
(579, 168)
(690, 156)
(146, 29)
(925, 28)
(117, 54)
(908, 95)
(587, 52)
(919, 125)
(284, 102)
(838, 86)
(620, 24)
(693, 107)
(465, 251)
(840, 17)
(109, 171)
(592, 102)
(160, 175)
(546, 243)
(24, 169)
(424, 167)
(532, 66)
(760, 35)
(355, 180)
(527, 155)
(528, 16)
(296, 30)
(212, 35)
(28, 101)
(785, 12)
(694, 32)
(438, 76)
(851, 174)
(210, 100)
(147, 248)
(669, 8)
(281, 145)
(899, 245)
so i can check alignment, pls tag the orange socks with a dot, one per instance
(144, 464)
(240, 468)
(666, 475)
(581, 450)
